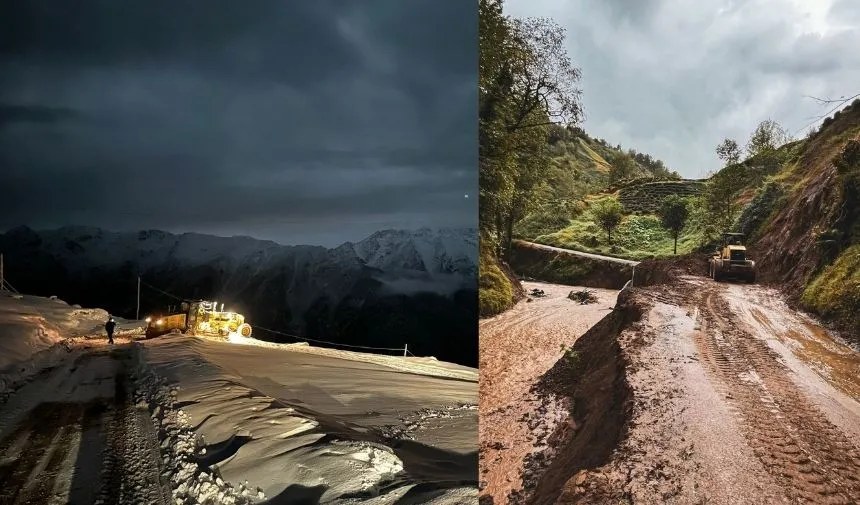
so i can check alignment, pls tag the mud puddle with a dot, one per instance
(829, 357)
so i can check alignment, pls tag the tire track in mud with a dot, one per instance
(810, 458)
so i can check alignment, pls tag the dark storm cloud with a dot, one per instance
(10, 114)
(673, 77)
(213, 115)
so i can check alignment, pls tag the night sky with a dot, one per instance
(306, 122)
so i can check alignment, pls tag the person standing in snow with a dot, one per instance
(109, 326)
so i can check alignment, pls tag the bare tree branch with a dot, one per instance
(840, 102)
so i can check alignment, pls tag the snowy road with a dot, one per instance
(74, 436)
(181, 419)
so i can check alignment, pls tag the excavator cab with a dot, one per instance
(733, 239)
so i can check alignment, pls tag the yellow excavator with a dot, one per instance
(731, 260)
(198, 318)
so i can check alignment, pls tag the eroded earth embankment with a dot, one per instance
(700, 392)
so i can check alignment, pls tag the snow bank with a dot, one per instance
(23, 332)
(416, 365)
(306, 428)
(37, 333)
(190, 483)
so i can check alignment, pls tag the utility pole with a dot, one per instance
(137, 316)
(5, 287)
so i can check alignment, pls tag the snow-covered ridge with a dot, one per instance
(442, 251)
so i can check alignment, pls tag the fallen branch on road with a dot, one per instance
(584, 297)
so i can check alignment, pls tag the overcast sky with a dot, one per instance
(303, 122)
(671, 78)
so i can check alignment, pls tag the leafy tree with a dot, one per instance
(527, 83)
(674, 212)
(719, 207)
(767, 137)
(729, 151)
(623, 166)
(607, 214)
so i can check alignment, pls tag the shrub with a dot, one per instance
(495, 292)
(835, 292)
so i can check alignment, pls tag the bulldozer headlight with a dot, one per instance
(159, 322)
(148, 319)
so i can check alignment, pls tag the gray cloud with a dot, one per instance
(288, 120)
(673, 77)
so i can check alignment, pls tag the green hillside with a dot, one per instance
(645, 198)
(581, 165)
(798, 204)
(596, 163)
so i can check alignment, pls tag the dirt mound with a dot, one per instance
(565, 268)
(592, 376)
(666, 271)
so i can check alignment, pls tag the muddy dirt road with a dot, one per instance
(723, 395)
(516, 348)
(74, 436)
(735, 398)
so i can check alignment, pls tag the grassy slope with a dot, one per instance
(495, 292)
(639, 236)
(581, 173)
(835, 292)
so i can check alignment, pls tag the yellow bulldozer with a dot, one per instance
(198, 318)
(731, 260)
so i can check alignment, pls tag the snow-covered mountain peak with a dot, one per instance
(425, 250)
(439, 251)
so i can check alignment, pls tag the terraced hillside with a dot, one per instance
(646, 198)
(589, 161)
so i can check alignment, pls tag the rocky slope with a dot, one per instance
(386, 290)
(804, 221)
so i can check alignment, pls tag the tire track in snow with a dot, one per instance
(95, 450)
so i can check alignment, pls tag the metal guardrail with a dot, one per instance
(630, 282)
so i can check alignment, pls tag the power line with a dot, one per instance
(162, 291)
(326, 342)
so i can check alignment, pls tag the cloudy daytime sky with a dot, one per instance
(302, 122)
(672, 78)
